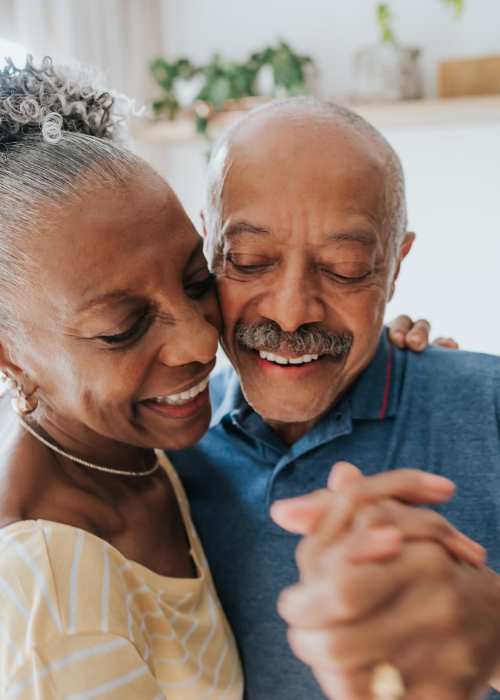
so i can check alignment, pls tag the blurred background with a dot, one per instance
(426, 73)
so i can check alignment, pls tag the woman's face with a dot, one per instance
(121, 318)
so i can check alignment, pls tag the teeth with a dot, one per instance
(184, 396)
(278, 359)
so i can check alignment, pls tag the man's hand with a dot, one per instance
(435, 617)
(414, 335)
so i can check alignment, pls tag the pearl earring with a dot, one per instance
(22, 404)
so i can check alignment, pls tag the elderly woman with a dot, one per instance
(109, 329)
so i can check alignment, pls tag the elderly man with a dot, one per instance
(306, 231)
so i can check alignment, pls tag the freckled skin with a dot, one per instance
(302, 181)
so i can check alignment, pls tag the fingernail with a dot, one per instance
(440, 483)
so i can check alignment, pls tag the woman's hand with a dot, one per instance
(414, 335)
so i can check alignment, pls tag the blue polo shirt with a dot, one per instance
(437, 411)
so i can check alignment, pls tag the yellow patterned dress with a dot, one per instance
(79, 621)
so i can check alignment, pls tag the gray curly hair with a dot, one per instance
(396, 219)
(58, 133)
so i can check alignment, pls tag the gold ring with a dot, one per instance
(387, 683)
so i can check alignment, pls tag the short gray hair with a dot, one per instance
(55, 131)
(396, 218)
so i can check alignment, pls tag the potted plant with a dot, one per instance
(389, 70)
(225, 85)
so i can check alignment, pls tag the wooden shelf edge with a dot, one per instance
(414, 113)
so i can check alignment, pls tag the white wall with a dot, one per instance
(452, 276)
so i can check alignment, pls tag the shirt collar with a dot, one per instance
(373, 396)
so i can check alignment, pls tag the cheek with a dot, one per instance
(233, 298)
(92, 383)
(363, 306)
(212, 312)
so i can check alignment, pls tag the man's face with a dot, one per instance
(306, 267)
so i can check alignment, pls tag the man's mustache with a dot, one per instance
(306, 340)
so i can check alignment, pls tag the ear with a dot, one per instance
(203, 224)
(404, 249)
(11, 369)
(6, 364)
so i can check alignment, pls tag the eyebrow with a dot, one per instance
(118, 296)
(239, 227)
(363, 237)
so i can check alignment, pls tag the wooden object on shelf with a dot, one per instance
(473, 76)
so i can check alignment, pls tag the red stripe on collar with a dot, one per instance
(388, 382)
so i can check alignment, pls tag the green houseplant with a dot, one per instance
(385, 18)
(225, 82)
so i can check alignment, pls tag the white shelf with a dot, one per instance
(414, 113)
(447, 112)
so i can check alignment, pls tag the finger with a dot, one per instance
(417, 524)
(400, 617)
(410, 485)
(418, 337)
(301, 515)
(304, 514)
(344, 686)
(378, 544)
(398, 330)
(446, 343)
(429, 690)
(342, 648)
(343, 474)
(340, 591)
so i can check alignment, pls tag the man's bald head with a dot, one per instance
(310, 120)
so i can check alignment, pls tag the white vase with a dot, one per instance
(386, 72)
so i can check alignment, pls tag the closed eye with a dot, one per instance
(347, 279)
(247, 265)
(199, 288)
(132, 334)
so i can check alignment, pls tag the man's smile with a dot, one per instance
(285, 367)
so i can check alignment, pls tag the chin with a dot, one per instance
(186, 436)
(289, 413)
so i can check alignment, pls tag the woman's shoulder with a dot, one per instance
(58, 579)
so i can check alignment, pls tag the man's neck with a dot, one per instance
(291, 432)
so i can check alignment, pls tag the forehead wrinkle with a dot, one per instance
(120, 296)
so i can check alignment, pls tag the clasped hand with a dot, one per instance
(383, 581)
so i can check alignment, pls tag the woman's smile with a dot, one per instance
(184, 403)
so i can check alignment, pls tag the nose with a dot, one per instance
(294, 299)
(194, 339)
